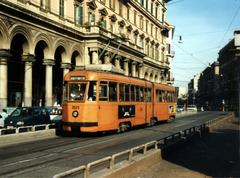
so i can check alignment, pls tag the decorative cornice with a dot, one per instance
(48, 62)
(142, 35)
(113, 18)
(92, 4)
(129, 28)
(66, 65)
(103, 12)
(136, 32)
(28, 58)
(122, 23)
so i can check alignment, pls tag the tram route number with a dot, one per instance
(75, 107)
(126, 111)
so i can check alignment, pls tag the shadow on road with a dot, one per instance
(216, 154)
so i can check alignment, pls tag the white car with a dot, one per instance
(192, 108)
(55, 114)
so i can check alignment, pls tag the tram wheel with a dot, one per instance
(152, 122)
(171, 119)
(123, 127)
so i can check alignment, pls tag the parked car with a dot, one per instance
(4, 114)
(192, 108)
(180, 108)
(24, 116)
(55, 114)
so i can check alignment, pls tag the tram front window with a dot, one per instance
(77, 91)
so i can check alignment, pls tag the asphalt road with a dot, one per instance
(45, 158)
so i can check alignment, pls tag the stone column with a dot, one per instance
(107, 58)
(66, 68)
(134, 69)
(4, 55)
(126, 72)
(28, 59)
(49, 76)
(117, 62)
(95, 59)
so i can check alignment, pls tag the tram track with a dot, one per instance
(40, 159)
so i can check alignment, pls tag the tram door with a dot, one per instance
(148, 103)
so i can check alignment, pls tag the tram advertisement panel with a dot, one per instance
(126, 111)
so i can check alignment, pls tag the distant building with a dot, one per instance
(219, 84)
(229, 61)
(208, 88)
(193, 90)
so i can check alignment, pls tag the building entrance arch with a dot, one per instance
(39, 75)
(16, 71)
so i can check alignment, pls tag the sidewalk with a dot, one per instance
(214, 155)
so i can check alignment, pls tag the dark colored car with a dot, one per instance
(24, 116)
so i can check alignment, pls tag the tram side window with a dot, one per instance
(92, 91)
(137, 93)
(112, 91)
(133, 98)
(158, 95)
(164, 96)
(148, 94)
(141, 94)
(103, 91)
(127, 92)
(121, 92)
(168, 97)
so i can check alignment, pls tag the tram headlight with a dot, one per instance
(75, 113)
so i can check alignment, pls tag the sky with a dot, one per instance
(206, 26)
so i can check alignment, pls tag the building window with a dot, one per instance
(102, 23)
(78, 13)
(120, 8)
(61, 8)
(91, 17)
(156, 30)
(135, 17)
(146, 26)
(135, 39)
(112, 4)
(112, 27)
(147, 49)
(156, 54)
(151, 29)
(147, 5)
(141, 42)
(156, 11)
(152, 7)
(128, 13)
(142, 2)
(141, 22)
(45, 4)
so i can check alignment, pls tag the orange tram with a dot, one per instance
(102, 101)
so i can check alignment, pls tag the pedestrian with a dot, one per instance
(4, 115)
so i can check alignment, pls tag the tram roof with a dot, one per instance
(106, 75)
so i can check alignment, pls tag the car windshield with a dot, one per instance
(21, 112)
(77, 91)
(16, 112)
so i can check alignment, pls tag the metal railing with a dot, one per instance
(24, 129)
(153, 145)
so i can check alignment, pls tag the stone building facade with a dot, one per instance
(42, 40)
